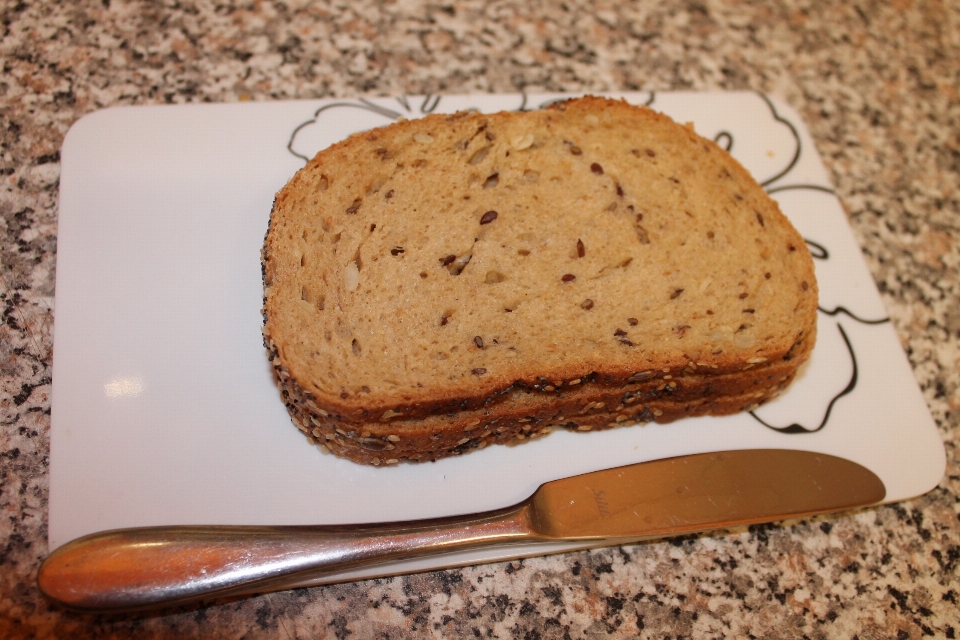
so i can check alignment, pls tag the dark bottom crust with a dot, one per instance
(443, 436)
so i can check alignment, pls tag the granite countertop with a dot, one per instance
(878, 87)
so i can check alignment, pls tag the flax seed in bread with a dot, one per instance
(442, 284)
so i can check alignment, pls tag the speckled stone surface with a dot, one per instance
(877, 84)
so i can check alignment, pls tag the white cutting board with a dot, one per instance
(164, 408)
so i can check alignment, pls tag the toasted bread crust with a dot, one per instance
(437, 270)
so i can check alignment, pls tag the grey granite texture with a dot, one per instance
(877, 84)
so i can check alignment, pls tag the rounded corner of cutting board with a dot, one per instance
(89, 124)
(926, 476)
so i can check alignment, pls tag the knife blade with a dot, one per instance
(151, 567)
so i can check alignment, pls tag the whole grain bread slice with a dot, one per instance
(442, 266)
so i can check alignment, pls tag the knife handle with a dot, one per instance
(150, 567)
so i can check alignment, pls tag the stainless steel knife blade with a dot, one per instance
(150, 567)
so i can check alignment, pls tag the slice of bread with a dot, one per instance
(440, 284)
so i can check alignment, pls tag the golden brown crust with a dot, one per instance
(452, 264)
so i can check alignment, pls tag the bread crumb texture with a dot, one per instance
(442, 284)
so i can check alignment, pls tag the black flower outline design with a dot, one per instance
(819, 252)
(723, 138)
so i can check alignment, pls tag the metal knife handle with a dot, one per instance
(129, 569)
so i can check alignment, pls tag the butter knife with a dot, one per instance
(150, 567)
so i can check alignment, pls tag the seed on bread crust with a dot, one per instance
(488, 217)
